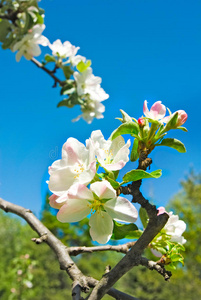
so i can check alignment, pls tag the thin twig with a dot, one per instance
(73, 251)
(152, 265)
(51, 73)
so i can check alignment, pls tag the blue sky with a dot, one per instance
(142, 50)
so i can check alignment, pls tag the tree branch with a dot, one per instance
(51, 73)
(73, 251)
(81, 282)
(152, 265)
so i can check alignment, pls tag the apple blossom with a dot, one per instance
(78, 164)
(89, 84)
(181, 119)
(28, 46)
(112, 155)
(101, 200)
(91, 110)
(63, 50)
(157, 111)
(175, 228)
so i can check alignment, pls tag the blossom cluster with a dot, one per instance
(71, 175)
(174, 228)
(85, 85)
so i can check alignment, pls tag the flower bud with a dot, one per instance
(141, 122)
(182, 117)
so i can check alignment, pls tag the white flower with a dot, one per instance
(63, 50)
(29, 45)
(91, 110)
(175, 228)
(112, 155)
(77, 165)
(104, 204)
(89, 84)
(74, 60)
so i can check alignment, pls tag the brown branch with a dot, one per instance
(73, 251)
(152, 265)
(51, 73)
(81, 282)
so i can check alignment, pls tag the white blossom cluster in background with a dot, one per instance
(87, 86)
(71, 175)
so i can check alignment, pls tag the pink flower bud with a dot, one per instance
(161, 210)
(141, 122)
(182, 117)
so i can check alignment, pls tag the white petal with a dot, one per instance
(121, 209)
(103, 189)
(73, 210)
(101, 227)
(61, 180)
(80, 191)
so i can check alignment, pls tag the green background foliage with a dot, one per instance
(49, 282)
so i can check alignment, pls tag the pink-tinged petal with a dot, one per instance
(158, 110)
(121, 209)
(74, 150)
(80, 191)
(103, 189)
(161, 210)
(60, 181)
(145, 109)
(182, 117)
(73, 210)
(101, 227)
(53, 202)
(156, 253)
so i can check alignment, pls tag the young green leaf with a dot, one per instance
(134, 153)
(143, 216)
(83, 66)
(173, 143)
(128, 231)
(67, 71)
(135, 175)
(49, 58)
(125, 128)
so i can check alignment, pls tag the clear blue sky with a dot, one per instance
(142, 50)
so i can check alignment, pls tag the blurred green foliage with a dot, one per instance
(50, 283)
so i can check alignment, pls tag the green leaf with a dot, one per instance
(113, 183)
(82, 66)
(143, 216)
(49, 58)
(126, 128)
(134, 153)
(172, 122)
(67, 71)
(135, 175)
(4, 30)
(173, 143)
(128, 231)
(182, 128)
(66, 103)
(125, 117)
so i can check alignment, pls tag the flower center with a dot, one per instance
(96, 205)
(78, 169)
(108, 156)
